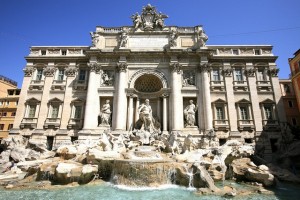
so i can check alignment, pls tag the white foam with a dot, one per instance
(161, 187)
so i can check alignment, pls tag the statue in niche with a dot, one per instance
(105, 114)
(124, 39)
(107, 78)
(95, 38)
(202, 38)
(137, 20)
(146, 121)
(189, 114)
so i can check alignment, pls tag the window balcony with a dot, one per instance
(52, 122)
(80, 85)
(36, 85)
(58, 85)
(28, 123)
(246, 124)
(75, 123)
(217, 86)
(222, 124)
(270, 124)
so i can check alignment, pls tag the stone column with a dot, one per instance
(228, 81)
(165, 113)
(277, 93)
(92, 99)
(137, 105)
(158, 110)
(206, 94)
(49, 72)
(201, 117)
(20, 114)
(257, 119)
(177, 107)
(130, 113)
(121, 100)
(70, 73)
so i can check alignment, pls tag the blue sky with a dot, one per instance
(25, 23)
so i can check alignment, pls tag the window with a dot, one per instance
(10, 92)
(1, 126)
(81, 75)
(63, 52)
(238, 74)
(10, 126)
(60, 76)
(216, 75)
(77, 114)
(261, 74)
(18, 92)
(39, 74)
(294, 121)
(43, 53)
(13, 114)
(268, 112)
(54, 112)
(287, 88)
(290, 104)
(235, 52)
(1, 103)
(7, 103)
(244, 113)
(220, 113)
(4, 114)
(257, 52)
(17, 102)
(31, 113)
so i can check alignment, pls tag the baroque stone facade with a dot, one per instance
(192, 88)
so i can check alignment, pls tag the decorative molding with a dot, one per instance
(28, 71)
(94, 67)
(49, 71)
(121, 67)
(71, 71)
(176, 67)
(274, 72)
(142, 72)
(250, 72)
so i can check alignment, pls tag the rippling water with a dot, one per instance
(109, 192)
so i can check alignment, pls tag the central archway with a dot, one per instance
(148, 83)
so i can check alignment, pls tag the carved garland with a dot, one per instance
(121, 67)
(176, 67)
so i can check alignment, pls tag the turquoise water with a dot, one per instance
(109, 192)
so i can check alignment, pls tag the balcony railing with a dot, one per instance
(52, 122)
(222, 124)
(75, 123)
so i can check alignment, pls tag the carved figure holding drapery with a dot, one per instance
(189, 114)
(105, 114)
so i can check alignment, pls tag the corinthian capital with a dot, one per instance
(94, 67)
(121, 66)
(176, 67)
(204, 67)
(71, 71)
(28, 71)
(49, 71)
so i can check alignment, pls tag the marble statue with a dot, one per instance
(189, 114)
(95, 38)
(107, 78)
(123, 39)
(105, 114)
(137, 20)
(202, 38)
(145, 113)
(173, 37)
